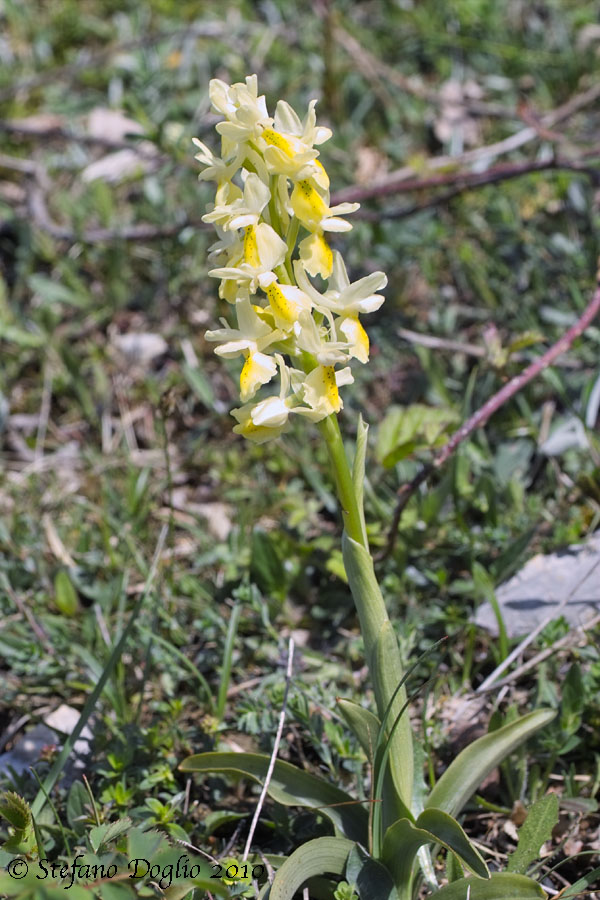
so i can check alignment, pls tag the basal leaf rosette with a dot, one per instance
(297, 313)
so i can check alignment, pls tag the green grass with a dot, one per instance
(99, 452)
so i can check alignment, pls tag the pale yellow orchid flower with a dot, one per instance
(252, 336)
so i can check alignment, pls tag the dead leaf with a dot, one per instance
(111, 124)
(39, 123)
(371, 164)
(119, 166)
(56, 545)
(454, 118)
(140, 348)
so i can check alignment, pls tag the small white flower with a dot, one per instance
(316, 340)
(240, 209)
(357, 337)
(267, 419)
(245, 112)
(227, 197)
(216, 168)
(342, 297)
(256, 196)
(356, 297)
(288, 147)
(309, 132)
(252, 336)
(263, 251)
(259, 434)
(286, 301)
(321, 390)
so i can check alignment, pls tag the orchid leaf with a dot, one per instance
(449, 833)
(371, 878)
(403, 839)
(387, 673)
(289, 786)
(358, 470)
(500, 886)
(363, 723)
(321, 856)
(476, 761)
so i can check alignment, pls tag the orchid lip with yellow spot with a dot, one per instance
(288, 144)
(266, 250)
(321, 389)
(314, 212)
(357, 337)
(258, 369)
(251, 247)
(308, 204)
(286, 302)
(292, 153)
(257, 433)
(316, 255)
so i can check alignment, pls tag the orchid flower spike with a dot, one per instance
(272, 215)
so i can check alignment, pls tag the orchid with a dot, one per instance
(263, 251)
(271, 212)
(245, 112)
(252, 337)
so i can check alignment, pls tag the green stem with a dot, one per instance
(282, 274)
(353, 524)
(292, 236)
(273, 212)
(381, 647)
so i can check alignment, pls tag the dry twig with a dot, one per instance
(534, 662)
(393, 182)
(263, 793)
(479, 418)
(460, 181)
(489, 682)
(380, 75)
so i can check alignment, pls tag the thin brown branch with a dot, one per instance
(480, 418)
(39, 217)
(461, 181)
(271, 766)
(381, 73)
(438, 343)
(55, 131)
(389, 183)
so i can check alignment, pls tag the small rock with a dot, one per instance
(217, 517)
(140, 348)
(537, 592)
(29, 748)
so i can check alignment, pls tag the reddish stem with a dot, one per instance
(479, 418)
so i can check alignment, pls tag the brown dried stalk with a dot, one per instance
(479, 418)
